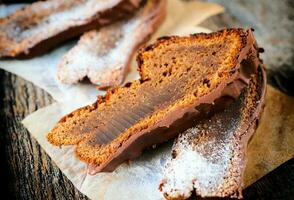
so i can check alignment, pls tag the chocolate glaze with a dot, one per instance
(253, 121)
(122, 9)
(179, 120)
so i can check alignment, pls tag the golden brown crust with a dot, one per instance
(199, 36)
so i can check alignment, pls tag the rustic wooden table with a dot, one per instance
(26, 172)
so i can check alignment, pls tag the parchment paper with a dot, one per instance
(139, 179)
(271, 145)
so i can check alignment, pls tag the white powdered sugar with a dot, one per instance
(205, 159)
(106, 53)
(97, 67)
(60, 19)
(191, 169)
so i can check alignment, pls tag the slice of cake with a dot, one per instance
(42, 25)
(178, 75)
(209, 159)
(103, 55)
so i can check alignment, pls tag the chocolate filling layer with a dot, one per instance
(128, 116)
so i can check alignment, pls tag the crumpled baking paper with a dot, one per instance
(138, 179)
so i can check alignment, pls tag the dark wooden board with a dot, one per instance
(26, 172)
(278, 184)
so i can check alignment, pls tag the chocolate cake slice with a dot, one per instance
(209, 158)
(178, 75)
(42, 25)
(103, 55)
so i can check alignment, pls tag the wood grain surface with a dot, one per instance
(26, 172)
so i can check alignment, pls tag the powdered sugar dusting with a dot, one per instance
(193, 170)
(204, 158)
(80, 13)
(94, 64)
(44, 20)
(106, 52)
